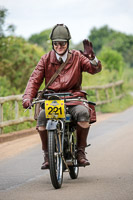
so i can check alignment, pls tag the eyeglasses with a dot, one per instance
(62, 44)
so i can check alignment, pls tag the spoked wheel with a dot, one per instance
(74, 169)
(55, 159)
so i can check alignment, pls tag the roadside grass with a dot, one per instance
(128, 79)
(19, 127)
(117, 105)
(9, 114)
(105, 77)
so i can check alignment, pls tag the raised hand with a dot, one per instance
(88, 49)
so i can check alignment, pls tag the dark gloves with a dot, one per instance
(88, 50)
(27, 103)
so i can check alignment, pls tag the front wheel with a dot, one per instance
(55, 158)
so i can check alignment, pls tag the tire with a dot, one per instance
(74, 170)
(55, 159)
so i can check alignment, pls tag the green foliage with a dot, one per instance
(128, 79)
(118, 41)
(112, 60)
(17, 60)
(98, 37)
(102, 78)
(9, 114)
(5, 88)
(42, 39)
(123, 44)
(117, 106)
(106, 37)
(19, 127)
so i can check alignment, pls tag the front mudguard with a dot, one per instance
(51, 125)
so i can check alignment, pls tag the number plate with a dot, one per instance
(54, 109)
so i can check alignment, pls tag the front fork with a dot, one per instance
(58, 125)
(61, 133)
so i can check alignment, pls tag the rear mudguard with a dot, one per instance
(51, 125)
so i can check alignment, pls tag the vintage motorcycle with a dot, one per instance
(62, 141)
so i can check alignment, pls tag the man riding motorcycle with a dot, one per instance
(69, 80)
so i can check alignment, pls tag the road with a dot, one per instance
(109, 177)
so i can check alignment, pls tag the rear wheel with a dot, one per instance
(55, 159)
(74, 169)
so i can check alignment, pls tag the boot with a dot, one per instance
(82, 134)
(44, 140)
(45, 164)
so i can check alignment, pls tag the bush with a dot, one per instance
(6, 89)
(112, 61)
(17, 60)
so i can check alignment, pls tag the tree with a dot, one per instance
(42, 39)
(123, 44)
(10, 28)
(3, 12)
(5, 88)
(106, 37)
(17, 60)
(17, 57)
(112, 61)
(98, 37)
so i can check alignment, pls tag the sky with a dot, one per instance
(34, 16)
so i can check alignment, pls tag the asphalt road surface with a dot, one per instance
(109, 177)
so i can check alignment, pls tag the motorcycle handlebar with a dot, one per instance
(66, 100)
(58, 94)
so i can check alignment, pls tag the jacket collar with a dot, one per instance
(64, 57)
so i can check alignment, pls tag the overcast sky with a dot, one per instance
(34, 16)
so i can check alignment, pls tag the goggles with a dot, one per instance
(62, 44)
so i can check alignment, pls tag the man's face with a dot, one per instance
(60, 47)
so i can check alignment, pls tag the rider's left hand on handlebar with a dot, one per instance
(88, 50)
(27, 103)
